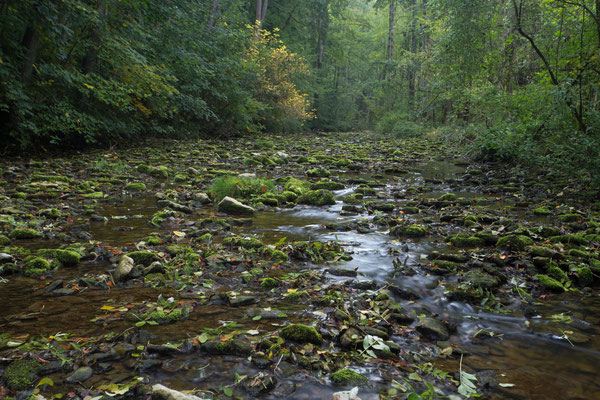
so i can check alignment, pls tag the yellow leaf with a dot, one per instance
(107, 308)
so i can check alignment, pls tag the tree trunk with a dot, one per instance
(413, 49)
(90, 60)
(261, 12)
(214, 13)
(31, 44)
(391, 25)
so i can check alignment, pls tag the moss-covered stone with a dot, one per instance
(347, 377)
(570, 217)
(268, 283)
(153, 240)
(51, 213)
(245, 242)
(413, 230)
(542, 211)
(167, 316)
(555, 272)
(514, 242)
(550, 283)
(318, 173)
(4, 241)
(143, 257)
(231, 347)
(274, 254)
(584, 275)
(296, 185)
(465, 241)
(22, 374)
(328, 185)
(320, 197)
(35, 266)
(67, 258)
(24, 234)
(301, 333)
(160, 172)
(448, 197)
(137, 186)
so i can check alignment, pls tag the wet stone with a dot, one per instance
(432, 329)
(81, 375)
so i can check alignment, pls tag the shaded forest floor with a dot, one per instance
(355, 260)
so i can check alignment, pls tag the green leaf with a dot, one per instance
(45, 381)
(139, 324)
(228, 392)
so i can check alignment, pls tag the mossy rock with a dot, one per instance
(550, 283)
(584, 275)
(245, 242)
(301, 334)
(572, 238)
(51, 213)
(320, 197)
(160, 172)
(94, 195)
(269, 283)
(413, 230)
(448, 197)
(143, 257)
(570, 217)
(296, 185)
(542, 211)
(274, 254)
(318, 173)
(22, 374)
(346, 377)
(555, 272)
(465, 241)
(35, 266)
(24, 234)
(153, 240)
(67, 258)
(328, 185)
(166, 317)
(4, 241)
(137, 186)
(143, 168)
(232, 347)
(514, 242)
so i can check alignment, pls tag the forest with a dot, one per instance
(518, 80)
(299, 199)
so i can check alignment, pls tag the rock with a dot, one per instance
(201, 198)
(123, 269)
(175, 206)
(432, 328)
(232, 347)
(478, 278)
(81, 375)
(413, 231)
(143, 257)
(160, 392)
(347, 377)
(346, 395)
(514, 242)
(21, 374)
(238, 301)
(319, 197)
(301, 334)
(550, 283)
(6, 258)
(342, 272)
(232, 206)
(350, 337)
(260, 384)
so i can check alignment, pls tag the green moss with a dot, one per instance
(143, 257)
(542, 211)
(296, 185)
(274, 254)
(465, 241)
(555, 272)
(160, 172)
(413, 230)
(569, 217)
(51, 213)
(93, 195)
(296, 295)
(135, 186)
(301, 333)
(268, 283)
(21, 374)
(318, 173)
(239, 188)
(289, 196)
(67, 257)
(207, 237)
(24, 234)
(180, 178)
(35, 266)
(162, 316)
(347, 377)
(328, 185)
(320, 197)
(573, 238)
(382, 297)
(514, 242)
(550, 283)
(584, 275)
(580, 254)
(143, 168)
(153, 240)
(159, 217)
(4, 241)
(411, 210)
(448, 197)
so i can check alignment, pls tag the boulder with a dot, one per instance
(232, 206)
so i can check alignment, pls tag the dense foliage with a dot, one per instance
(519, 78)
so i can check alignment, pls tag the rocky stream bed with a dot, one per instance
(322, 266)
